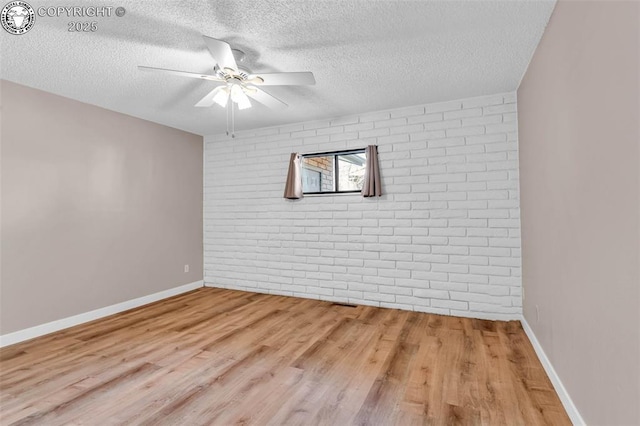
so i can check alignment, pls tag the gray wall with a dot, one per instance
(579, 160)
(97, 207)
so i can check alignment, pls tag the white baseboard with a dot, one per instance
(568, 404)
(50, 327)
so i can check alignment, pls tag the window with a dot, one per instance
(333, 172)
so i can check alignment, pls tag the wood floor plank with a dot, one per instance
(216, 356)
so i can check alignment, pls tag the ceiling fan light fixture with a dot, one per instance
(244, 103)
(238, 96)
(222, 97)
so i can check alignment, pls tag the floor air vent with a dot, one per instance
(347, 305)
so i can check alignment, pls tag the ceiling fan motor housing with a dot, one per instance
(229, 73)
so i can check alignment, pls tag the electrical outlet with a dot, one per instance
(186, 268)
(537, 314)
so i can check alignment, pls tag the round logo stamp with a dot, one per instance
(17, 17)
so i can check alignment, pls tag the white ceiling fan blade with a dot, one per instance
(283, 79)
(265, 99)
(209, 98)
(221, 52)
(182, 73)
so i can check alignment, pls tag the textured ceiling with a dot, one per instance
(365, 55)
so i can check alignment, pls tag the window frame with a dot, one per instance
(336, 169)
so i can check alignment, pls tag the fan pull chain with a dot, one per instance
(233, 123)
(227, 117)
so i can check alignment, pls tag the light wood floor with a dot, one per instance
(216, 356)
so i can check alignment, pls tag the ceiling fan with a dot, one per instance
(238, 84)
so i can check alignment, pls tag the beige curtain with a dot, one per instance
(372, 185)
(293, 187)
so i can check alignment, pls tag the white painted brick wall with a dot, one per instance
(445, 237)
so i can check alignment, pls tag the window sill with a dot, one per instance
(329, 194)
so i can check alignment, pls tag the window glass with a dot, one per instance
(317, 174)
(351, 172)
(333, 172)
